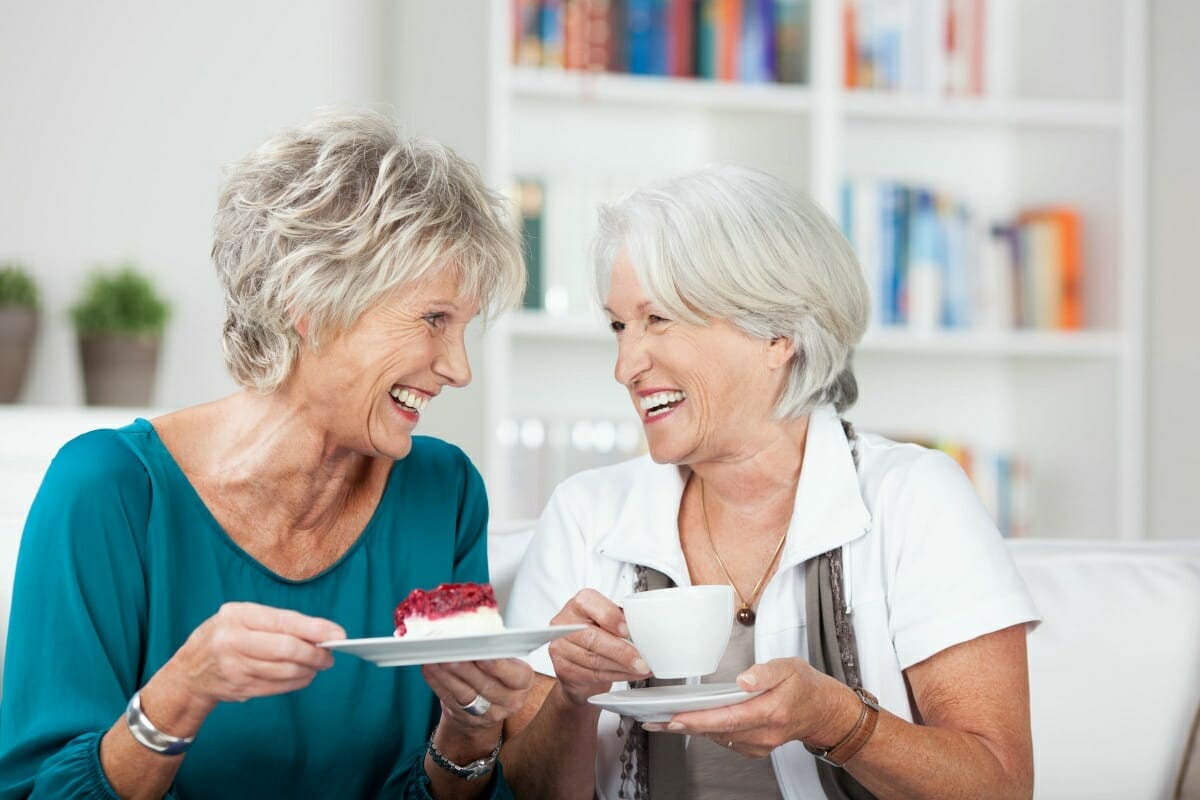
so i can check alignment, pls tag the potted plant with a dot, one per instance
(119, 322)
(18, 327)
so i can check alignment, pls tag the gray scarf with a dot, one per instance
(654, 762)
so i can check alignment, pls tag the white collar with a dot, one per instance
(828, 512)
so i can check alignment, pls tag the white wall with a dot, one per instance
(1173, 331)
(119, 117)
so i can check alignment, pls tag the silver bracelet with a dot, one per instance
(473, 771)
(150, 737)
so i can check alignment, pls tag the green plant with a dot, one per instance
(17, 287)
(122, 302)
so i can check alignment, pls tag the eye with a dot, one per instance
(436, 320)
(655, 319)
(616, 327)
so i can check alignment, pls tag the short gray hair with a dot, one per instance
(732, 243)
(322, 221)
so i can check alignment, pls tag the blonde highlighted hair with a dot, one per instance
(322, 221)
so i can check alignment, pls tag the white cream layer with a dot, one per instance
(467, 623)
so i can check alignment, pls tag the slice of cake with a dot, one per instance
(452, 609)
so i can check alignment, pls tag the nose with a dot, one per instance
(632, 358)
(452, 364)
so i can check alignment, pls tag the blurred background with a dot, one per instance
(1019, 178)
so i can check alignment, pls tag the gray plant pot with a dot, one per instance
(118, 370)
(18, 328)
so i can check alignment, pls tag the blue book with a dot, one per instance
(646, 22)
(888, 303)
(901, 209)
(757, 56)
(846, 209)
(957, 313)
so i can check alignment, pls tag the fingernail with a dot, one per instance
(749, 679)
(623, 629)
(675, 726)
(639, 665)
(653, 727)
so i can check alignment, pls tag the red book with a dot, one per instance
(975, 69)
(681, 38)
(599, 25)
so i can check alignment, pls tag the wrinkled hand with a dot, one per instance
(502, 682)
(797, 703)
(248, 650)
(589, 661)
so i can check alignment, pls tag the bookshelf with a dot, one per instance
(1060, 121)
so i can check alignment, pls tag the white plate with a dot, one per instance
(660, 703)
(388, 651)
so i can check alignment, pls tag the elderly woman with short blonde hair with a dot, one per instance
(178, 575)
(880, 621)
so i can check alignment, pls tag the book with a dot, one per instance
(527, 48)
(791, 41)
(707, 38)
(1056, 232)
(729, 38)
(681, 38)
(551, 25)
(531, 204)
(756, 56)
(598, 27)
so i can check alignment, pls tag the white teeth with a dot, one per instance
(411, 399)
(661, 399)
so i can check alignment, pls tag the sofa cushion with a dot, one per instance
(1114, 666)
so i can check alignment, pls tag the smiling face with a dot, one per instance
(703, 392)
(369, 384)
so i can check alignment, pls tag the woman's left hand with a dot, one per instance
(797, 703)
(497, 687)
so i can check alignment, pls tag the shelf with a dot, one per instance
(674, 93)
(1005, 344)
(889, 106)
(662, 92)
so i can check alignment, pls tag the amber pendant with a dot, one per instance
(745, 615)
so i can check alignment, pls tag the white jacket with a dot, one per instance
(925, 566)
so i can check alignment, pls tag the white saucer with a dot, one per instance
(660, 703)
(388, 651)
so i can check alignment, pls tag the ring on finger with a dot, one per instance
(477, 707)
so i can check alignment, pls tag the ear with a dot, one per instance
(779, 352)
(301, 326)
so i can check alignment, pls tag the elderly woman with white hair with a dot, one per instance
(177, 575)
(878, 612)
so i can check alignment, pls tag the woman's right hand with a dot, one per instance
(589, 661)
(248, 650)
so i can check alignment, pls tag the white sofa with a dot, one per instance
(1115, 666)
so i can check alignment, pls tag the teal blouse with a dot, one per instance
(120, 561)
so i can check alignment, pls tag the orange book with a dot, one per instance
(729, 38)
(1064, 224)
(850, 43)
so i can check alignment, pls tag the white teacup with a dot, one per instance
(683, 631)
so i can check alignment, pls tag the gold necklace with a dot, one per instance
(745, 615)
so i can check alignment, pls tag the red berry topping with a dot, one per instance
(445, 600)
